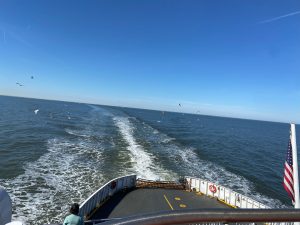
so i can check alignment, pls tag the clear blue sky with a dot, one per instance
(227, 58)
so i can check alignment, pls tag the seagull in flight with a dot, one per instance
(19, 84)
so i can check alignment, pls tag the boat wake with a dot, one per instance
(145, 163)
(68, 173)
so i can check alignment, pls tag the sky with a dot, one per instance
(226, 58)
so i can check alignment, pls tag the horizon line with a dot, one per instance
(121, 106)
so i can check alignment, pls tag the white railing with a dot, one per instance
(223, 194)
(103, 193)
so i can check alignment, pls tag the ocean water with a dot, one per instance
(67, 150)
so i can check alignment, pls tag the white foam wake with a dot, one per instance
(144, 162)
(58, 178)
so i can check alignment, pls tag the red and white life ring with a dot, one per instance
(212, 188)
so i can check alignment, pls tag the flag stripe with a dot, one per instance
(290, 194)
(289, 188)
(288, 179)
(288, 173)
(288, 168)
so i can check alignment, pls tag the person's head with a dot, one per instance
(74, 209)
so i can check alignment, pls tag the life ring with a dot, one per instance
(212, 188)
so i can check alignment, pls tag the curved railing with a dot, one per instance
(213, 217)
(104, 193)
(223, 194)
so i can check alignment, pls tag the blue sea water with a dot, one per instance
(67, 150)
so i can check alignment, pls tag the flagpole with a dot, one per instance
(295, 165)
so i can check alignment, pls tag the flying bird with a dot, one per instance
(19, 84)
(31, 77)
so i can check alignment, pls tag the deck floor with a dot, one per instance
(142, 201)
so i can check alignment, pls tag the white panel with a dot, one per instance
(250, 204)
(193, 184)
(238, 200)
(222, 193)
(217, 194)
(197, 185)
(206, 188)
(232, 198)
(227, 196)
(243, 202)
(203, 186)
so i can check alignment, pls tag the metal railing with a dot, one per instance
(225, 195)
(214, 216)
(104, 193)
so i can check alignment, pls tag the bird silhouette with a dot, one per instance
(19, 84)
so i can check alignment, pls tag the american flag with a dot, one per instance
(288, 180)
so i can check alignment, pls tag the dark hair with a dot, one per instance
(74, 209)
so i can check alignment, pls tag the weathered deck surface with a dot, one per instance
(141, 201)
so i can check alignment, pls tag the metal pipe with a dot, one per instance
(295, 166)
(213, 215)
